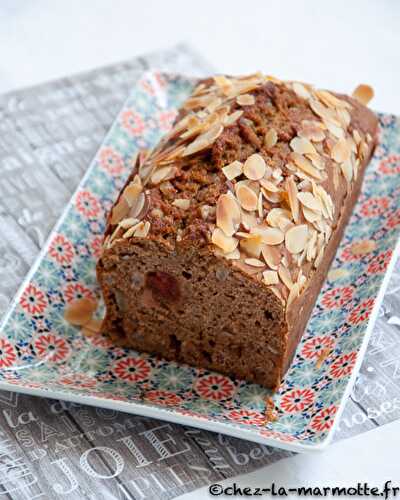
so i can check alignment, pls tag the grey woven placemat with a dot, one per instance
(57, 450)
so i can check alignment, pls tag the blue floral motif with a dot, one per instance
(171, 377)
(252, 396)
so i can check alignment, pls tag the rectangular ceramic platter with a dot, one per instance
(41, 354)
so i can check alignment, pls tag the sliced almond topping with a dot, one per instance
(272, 256)
(142, 230)
(270, 235)
(120, 211)
(204, 140)
(311, 215)
(245, 100)
(316, 160)
(312, 246)
(226, 243)
(254, 262)
(302, 146)
(277, 293)
(136, 210)
(270, 277)
(363, 93)
(356, 136)
(285, 277)
(260, 208)
(341, 151)
(228, 214)
(80, 311)
(94, 325)
(328, 206)
(247, 197)
(213, 105)
(271, 138)
(233, 170)
(300, 90)
(269, 186)
(163, 174)
(329, 99)
(249, 220)
(347, 170)
(292, 195)
(272, 197)
(363, 247)
(305, 165)
(128, 222)
(296, 238)
(335, 129)
(182, 203)
(293, 294)
(252, 245)
(131, 193)
(254, 167)
(310, 201)
(319, 257)
(131, 231)
(275, 216)
(312, 131)
(232, 118)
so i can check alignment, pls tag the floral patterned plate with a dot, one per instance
(41, 354)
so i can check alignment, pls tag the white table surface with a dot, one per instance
(333, 44)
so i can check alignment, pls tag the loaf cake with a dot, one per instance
(217, 247)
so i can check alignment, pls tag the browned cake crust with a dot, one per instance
(218, 245)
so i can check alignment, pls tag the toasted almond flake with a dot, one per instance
(316, 160)
(132, 192)
(326, 201)
(143, 231)
(272, 197)
(270, 235)
(277, 294)
(284, 275)
(269, 186)
(341, 151)
(270, 277)
(254, 167)
(292, 196)
(245, 100)
(335, 129)
(128, 222)
(272, 256)
(228, 214)
(310, 201)
(233, 255)
(222, 81)
(226, 243)
(293, 294)
(329, 99)
(271, 138)
(356, 136)
(120, 211)
(305, 165)
(275, 216)
(250, 270)
(319, 109)
(247, 197)
(163, 174)
(232, 118)
(300, 90)
(319, 257)
(347, 170)
(80, 311)
(248, 220)
(336, 178)
(204, 140)
(94, 325)
(302, 146)
(131, 231)
(311, 215)
(311, 250)
(252, 245)
(312, 130)
(363, 247)
(260, 208)
(254, 262)
(182, 203)
(136, 210)
(363, 93)
(214, 105)
(296, 238)
(233, 170)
